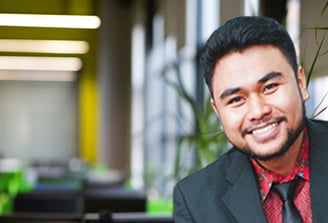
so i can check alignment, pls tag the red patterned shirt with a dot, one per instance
(271, 202)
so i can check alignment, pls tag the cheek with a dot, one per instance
(231, 121)
(287, 104)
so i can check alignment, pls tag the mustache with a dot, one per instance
(268, 120)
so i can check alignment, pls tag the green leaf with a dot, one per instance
(315, 59)
(324, 9)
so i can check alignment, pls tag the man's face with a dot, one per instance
(259, 101)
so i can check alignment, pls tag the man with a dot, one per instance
(258, 92)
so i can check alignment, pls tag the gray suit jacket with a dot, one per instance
(226, 191)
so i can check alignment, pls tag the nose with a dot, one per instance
(258, 108)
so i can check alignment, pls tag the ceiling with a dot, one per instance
(61, 7)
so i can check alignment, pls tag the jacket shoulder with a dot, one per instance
(199, 195)
(213, 175)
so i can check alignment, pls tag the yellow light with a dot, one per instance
(51, 21)
(44, 46)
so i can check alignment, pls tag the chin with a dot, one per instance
(256, 151)
(267, 156)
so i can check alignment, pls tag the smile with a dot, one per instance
(264, 130)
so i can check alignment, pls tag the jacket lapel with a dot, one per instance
(318, 136)
(242, 199)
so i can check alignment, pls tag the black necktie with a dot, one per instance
(286, 192)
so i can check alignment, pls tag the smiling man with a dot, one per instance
(258, 92)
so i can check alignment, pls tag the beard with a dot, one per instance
(292, 135)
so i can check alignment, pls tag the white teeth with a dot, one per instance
(263, 130)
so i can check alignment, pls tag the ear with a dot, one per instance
(301, 80)
(214, 107)
(216, 112)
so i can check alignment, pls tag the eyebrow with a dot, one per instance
(271, 75)
(229, 91)
(265, 78)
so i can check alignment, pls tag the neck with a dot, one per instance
(284, 164)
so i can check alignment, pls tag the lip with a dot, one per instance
(264, 132)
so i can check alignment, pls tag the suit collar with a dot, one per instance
(242, 199)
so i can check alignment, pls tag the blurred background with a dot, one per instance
(102, 93)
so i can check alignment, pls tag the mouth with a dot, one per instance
(264, 130)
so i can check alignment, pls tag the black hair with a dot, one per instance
(242, 32)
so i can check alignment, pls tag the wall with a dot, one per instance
(38, 120)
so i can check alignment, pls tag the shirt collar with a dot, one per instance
(266, 177)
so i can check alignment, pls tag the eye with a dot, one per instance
(235, 100)
(270, 87)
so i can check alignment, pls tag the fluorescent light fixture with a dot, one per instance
(44, 46)
(51, 21)
(40, 63)
(21, 75)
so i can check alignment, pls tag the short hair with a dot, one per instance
(240, 33)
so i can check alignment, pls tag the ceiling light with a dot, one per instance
(51, 21)
(40, 63)
(21, 75)
(44, 46)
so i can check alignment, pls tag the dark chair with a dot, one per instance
(114, 199)
(49, 202)
(40, 218)
(107, 217)
(51, 195)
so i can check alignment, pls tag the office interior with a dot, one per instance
(95, 104)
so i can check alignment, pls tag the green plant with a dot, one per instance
(205, 141)
(318, 53)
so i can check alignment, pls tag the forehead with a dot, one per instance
(237, 69)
